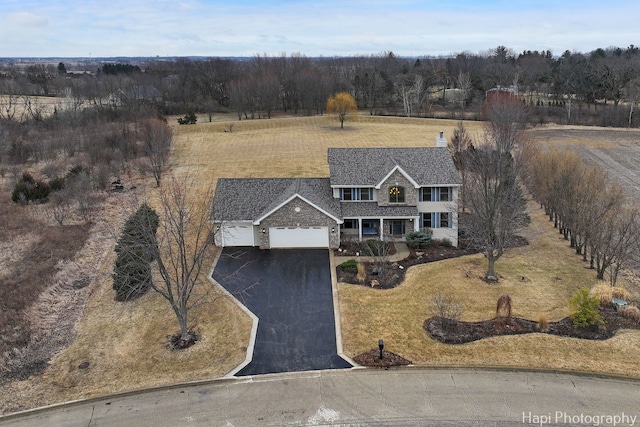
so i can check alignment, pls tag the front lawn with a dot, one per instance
(540, 278)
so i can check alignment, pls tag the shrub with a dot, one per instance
(132, 270)
(362, 273)
(605, 293)
(584, 309)
(189, 119)
(630, 312)
(374, 247)
(56, 184)
(543, 323)
(448, 308)
(418, 239)
(447, 243)
(350, 266)
(27, 189)
(27, 178)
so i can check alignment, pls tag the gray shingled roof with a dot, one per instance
(250, 198)
(371, 209)
(368, 166)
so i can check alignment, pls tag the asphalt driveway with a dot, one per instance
(289, 290)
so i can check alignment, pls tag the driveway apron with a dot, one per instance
(289, 290)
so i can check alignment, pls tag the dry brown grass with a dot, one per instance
(540, 278)
(124, 344)
(292, 147)
(605, 293)
(362, 274)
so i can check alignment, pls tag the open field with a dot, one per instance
(124, 343)
(617, 150)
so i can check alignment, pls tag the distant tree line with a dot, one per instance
(120, 69)
(601, 87)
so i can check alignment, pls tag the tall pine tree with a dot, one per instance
(135, 249)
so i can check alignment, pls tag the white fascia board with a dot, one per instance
(354, 186)
(259, 220)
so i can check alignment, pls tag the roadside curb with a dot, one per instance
(314, 374)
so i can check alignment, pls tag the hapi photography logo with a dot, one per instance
(560, 418)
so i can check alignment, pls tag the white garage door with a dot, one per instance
(238, 234)
(299, 237)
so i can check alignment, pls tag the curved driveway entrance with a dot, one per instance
(289, 290)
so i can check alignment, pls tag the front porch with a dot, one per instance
(390, 229)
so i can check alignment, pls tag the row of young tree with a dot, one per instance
(583, 88)
(590, 211)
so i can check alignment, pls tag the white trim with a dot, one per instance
(260, 219)
(352, 186)
(406, 175)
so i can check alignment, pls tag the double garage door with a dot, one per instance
(299, 237)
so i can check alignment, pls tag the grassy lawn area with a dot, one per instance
(124, 344)
(540, 278)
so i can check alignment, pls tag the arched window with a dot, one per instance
(396, 194)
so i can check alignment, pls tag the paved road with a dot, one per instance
(363, 397)
(289, 290)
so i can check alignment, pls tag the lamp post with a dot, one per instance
(381, 347)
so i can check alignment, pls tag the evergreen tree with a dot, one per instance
(135, 249)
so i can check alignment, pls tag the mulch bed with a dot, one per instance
(457, 332)
(175, 341)
(394, 272)
(372, 359)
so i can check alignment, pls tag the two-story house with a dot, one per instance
(388, 192)
(380, 193)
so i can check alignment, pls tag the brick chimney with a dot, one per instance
(441, 141)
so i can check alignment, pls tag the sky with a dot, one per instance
(107, 28)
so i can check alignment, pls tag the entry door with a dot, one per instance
(396, 227)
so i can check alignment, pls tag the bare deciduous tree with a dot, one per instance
(616, 242)
(156, 139)
(459, 146)
(496, 203)
(182, 240)
(464, 84)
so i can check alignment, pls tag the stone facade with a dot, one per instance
(397, 179)
(306, 216)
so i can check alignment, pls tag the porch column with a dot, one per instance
(416, 224)
(360, 229)
(381, 229)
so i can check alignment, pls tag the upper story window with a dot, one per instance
(396, 194)
(356, 194)
(436, 220)
(436, 194)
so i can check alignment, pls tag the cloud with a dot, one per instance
(311, 27)
(28, 19)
